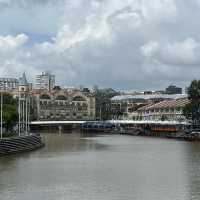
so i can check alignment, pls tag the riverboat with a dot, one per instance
(166, 128)
(97, 127)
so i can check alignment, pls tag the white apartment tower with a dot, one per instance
(45, 81)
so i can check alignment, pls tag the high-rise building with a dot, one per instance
(45, 81)
(8, 84)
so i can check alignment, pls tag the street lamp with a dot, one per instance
(19, 114)
(1, 114)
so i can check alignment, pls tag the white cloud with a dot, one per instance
(129, 43)
(159, 10)
(150, 49)
(184, 52)
(10, 43)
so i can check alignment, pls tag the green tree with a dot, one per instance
(10, 113)
(192, 110)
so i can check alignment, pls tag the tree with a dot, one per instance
(10, 114)
(192, 110)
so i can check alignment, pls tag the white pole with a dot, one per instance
(23, 115)
(100, 113)
(1, 115)
(29, 107)
(26, 122)
(19, 113)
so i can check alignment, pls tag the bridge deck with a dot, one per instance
(109, 121)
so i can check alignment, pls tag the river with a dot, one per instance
(103, 167)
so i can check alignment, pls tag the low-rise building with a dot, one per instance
(62, 105)
(8, 84)
(126, 106)
(103, 103)
(170, 110)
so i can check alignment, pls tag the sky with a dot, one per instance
(124, 44)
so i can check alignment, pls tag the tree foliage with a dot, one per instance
(192, 110)
(10, 113)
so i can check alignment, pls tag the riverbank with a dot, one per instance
(20, 144)
(178, 135)
(162, 134)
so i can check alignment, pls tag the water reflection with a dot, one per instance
(74, 142)
(107, 167)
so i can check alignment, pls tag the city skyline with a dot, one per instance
(119, 44)
(46, 78)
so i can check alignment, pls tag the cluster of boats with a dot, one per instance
(111, 128)
(168, 131)
(98, 126)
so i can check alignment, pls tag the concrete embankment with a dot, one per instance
(162, 134)
(20, 144)
(179, 135)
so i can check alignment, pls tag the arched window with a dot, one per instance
(78, 98)
(44, 96)
(61, 97)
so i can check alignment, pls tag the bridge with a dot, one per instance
(107, 121)
(57, 122)
(54, 126)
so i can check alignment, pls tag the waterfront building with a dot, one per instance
(103, 102)
(63, 105)
(126, 106)
(45, 81)
(170, 110)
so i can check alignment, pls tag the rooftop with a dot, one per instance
(166, 104)
(150, 96)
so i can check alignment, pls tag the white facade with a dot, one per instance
(45, 81)
(8, 84)
(171, 110)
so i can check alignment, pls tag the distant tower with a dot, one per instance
(23, 86)
(23, 105)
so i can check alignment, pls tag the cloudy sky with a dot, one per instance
(133, 44)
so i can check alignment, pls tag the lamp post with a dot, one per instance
(26, 116)
(1, 114)
(23, 116)
(29, 108)
(19, 114)
(100, 113)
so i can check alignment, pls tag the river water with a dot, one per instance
(103, 167)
